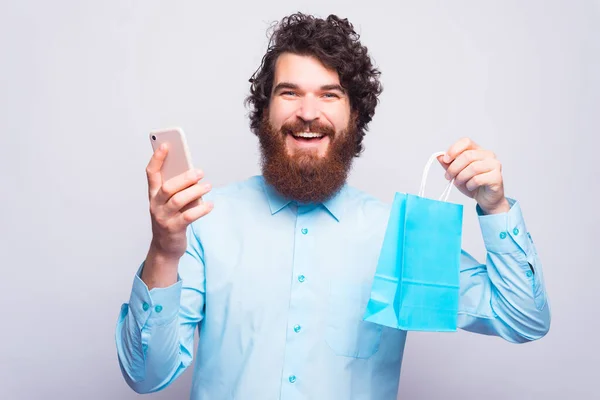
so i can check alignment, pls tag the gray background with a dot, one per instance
(81, 84)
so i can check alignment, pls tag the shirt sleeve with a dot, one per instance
(155, 330)
(506, 296)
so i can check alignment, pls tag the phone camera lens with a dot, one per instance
(153, 137)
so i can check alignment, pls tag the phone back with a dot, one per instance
(178, 158)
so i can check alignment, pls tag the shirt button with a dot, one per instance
(292, 378)
(297, 328)
(304, 231)
(301, 278)
(516, 231)
(529, 273)
(158, 308)
(502, 235)
(145, 306)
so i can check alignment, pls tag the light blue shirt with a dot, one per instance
(278, 290)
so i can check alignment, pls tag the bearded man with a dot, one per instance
(275, 271)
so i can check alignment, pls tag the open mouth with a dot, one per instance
(308, 137)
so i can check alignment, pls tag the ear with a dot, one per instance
(265, 112)
(354, 117)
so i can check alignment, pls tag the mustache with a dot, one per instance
(302, 126)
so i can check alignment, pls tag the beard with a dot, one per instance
(305, 176)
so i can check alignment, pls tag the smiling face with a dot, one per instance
(308, 104)
(307, 133)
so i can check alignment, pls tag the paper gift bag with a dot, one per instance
(416, 284)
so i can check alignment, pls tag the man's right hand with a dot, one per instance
(174, 205)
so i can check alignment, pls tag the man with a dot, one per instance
(277, 276)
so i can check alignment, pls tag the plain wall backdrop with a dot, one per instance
(82, 84)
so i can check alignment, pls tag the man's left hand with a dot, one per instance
(477, 174)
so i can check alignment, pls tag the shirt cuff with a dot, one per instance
(154, 307)
(504, 232)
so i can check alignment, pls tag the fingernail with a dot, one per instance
(446, 158)
(207, 186)
(447, 176)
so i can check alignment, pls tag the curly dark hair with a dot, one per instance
(332, 41)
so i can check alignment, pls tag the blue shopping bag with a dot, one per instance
(416, 284)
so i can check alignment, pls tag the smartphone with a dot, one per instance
(178, 158)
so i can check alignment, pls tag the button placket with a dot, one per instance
(304, 231)
(295, 347)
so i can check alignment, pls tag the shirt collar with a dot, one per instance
(276, 201)
(334, 205)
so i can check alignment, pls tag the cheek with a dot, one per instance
(338, 116)
(279, 112)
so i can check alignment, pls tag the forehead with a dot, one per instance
(305, 71)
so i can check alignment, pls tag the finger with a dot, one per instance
(457, 148)
(177, 184)
(195, 213)
(442, 163)
(491, 179)
(153, 169)
(464, 159)
(185, 197)
(475, 168)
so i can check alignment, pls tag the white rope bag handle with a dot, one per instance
(446, 192)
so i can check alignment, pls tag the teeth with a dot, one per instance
(308, 135)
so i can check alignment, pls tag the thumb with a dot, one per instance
(442, 163)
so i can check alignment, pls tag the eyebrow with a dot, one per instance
(337, 87)
(324, 88)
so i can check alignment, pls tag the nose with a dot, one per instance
(309, 109)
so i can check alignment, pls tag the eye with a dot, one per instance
(288, 93)
(331, 96)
